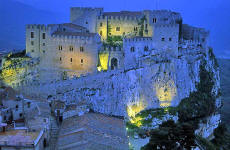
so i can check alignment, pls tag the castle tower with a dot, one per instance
(86, 17)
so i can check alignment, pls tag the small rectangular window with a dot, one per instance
(170, 39)
(86, 22)
(60, 47)
(118, 28)
(71, 59)
(100, 33)
(154, 20)
(32, 50)
(146, 48)
(60, 58)
(44, 44)
(43, 36)
(82, 60)
(71, 48)
(43, 51)
(162, 39)
(81, 49)
(32, 42)
(132, 49)
(101, 24)
(32, 34)
(28, 104)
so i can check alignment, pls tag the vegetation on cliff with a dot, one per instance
(191, 111)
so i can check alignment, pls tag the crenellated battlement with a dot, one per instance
(37, 26)
(166, 26)
(118, 18)
(138, 39)
(72, 37)
(111, 48)
(87, 8)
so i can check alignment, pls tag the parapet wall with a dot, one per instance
(41, 27)
(137, 39)
(118, 18)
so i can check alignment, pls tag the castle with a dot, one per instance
(99, 41)
(116, 63)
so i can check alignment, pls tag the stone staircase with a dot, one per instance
(54, 130)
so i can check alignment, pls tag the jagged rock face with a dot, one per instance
(157, 85)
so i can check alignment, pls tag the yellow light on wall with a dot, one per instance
(12, 74)
(104, 58)
(165, 92)
(132, 110)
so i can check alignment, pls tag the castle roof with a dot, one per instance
(74, 33)
(71, 25)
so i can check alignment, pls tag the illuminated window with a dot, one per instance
(60, 47)
(170, 39)
(81, 49)
(100, 33)
(132, 49)
(101, 24)
(71, 48)
(32, 42)
(43, 36)
(71, 59)
(82, 60)
(162, 39)
(32, 34)
(154, 20)
(118, 29)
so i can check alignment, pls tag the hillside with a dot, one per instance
(225, 87)
(12, 25)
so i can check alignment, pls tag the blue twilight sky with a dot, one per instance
(213, 15)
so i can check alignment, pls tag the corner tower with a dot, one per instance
(86, 17)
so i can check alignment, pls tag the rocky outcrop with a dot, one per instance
(151, 86)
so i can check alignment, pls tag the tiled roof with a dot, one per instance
(71, 25)
(93, 130)
(74, 33)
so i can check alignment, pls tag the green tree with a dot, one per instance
(170, 136)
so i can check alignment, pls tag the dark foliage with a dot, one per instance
(201, 103)
(170, 136)
(222, 137)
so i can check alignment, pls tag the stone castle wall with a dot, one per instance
(119, 26)
(161, 84)
(85, 17)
